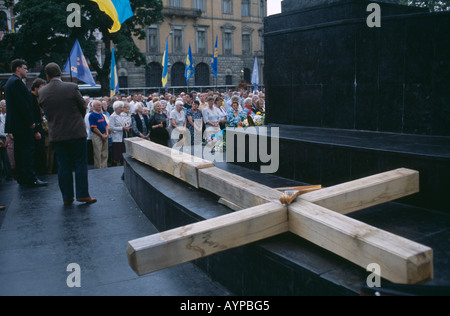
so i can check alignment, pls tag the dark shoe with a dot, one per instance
(2, 207)
(87, 200)
(68, 202)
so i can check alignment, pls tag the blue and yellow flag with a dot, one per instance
(189, 65)
(165, 63)
(77, 65)
(114, 86)
(118, 10)
(214, 59)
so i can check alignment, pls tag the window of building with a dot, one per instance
(199, 5)
(227, 7)
(178, 46)
(227, 43)
(176, 3)
(153, 40)
(201, 42)
(246, 44)
(245, 4)
(262, 8)
(227, 38)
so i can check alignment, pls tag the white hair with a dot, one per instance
(118, 104)
(179, 103)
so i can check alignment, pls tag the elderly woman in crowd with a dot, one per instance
(158, 125)
(117, 127)
(234, 116)
(126, 116)
(177, 128)
(139, 122)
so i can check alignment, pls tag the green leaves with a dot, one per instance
(45, 36)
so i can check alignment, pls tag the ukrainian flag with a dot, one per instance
(114, 86)
(165, 62)
(117, 10)
(214, 59)
(189, 71)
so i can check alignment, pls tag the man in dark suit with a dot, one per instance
(65, 110)
(20, 123)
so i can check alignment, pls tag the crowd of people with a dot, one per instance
(36, 127)
(164, 119)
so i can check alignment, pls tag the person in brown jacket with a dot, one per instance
(65, 109)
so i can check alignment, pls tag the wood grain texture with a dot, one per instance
(365, 192)
(207, 237)
(401, 260)
(175, 163)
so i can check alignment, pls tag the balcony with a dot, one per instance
(182, 12)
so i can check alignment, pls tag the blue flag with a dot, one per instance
(114, 86)
(189, 65)
(255, 75)
(214, 59)
(77, 66)
(165, 63)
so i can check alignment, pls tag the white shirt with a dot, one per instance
(116, 125)
(132, 106)
(88, 126)
(179, 117)
(211, 115)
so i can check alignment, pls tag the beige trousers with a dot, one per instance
(100, 149)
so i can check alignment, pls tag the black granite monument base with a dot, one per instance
(325, 67)
(331, 156)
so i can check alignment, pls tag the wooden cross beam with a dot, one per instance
(316, 216)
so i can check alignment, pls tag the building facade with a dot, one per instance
(238, 26)
(6, 19)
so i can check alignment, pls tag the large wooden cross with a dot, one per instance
(317, 216)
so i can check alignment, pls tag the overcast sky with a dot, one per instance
(273, 7)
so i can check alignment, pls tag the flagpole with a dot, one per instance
(70, 67)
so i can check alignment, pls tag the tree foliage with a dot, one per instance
(44, 35)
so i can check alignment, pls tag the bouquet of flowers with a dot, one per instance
(217, 142)
(258, 119)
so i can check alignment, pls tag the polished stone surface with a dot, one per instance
(324, 67)
(39, 238)
(331, 156)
